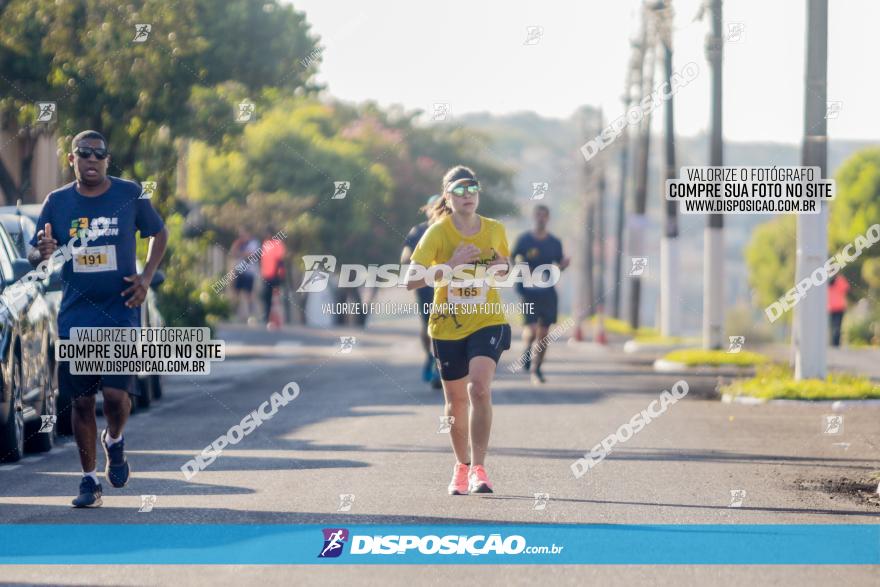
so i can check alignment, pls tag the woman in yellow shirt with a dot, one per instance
(467, 326)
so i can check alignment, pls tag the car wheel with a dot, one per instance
(12, 432)
(44, 441)
(145, 387)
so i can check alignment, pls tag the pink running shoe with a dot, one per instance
(459, 483)
(479, 480)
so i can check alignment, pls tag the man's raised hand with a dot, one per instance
(45, 243)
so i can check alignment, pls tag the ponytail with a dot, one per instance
(437, 210)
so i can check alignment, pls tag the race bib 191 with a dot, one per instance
(95, 259)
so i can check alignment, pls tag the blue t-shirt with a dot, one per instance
(535, 252)
(93, 279)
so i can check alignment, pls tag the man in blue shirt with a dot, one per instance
(424, 295)
(538, 247)
(101, 289)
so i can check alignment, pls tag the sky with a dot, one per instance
(473, 56)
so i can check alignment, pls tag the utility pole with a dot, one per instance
(635, 61)
(638, 221)
(600, 228)
(590, 206)
(590, 261)
(599, 335)
(585, 297)
(713, 237)
(810, 333)
(670, 318)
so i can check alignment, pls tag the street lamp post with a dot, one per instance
(713, 252)
(670, 320)
(810, 333)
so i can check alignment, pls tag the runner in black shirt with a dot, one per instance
(424, 295)
(538, 247)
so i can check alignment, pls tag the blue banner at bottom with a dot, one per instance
(440, 544)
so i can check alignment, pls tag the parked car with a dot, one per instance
(20, 222)
(28, 386)
(21, 229)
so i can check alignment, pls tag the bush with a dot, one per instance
(742, 320)
(186, 298)
(858, 332)
(697, 357)
(617, 326)
(776, 381)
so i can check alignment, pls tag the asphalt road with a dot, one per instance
(365, 425)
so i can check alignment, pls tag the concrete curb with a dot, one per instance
(589, 346)
(835, 405)
(632, 346)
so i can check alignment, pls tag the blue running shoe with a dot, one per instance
(117, 470)
(89, 494)
(436, 383)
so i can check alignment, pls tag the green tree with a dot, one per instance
(81, 54)
(24, 80)
(187, 298)
(200, 59)
(770, 255)
(857, 207)
(417, 156)
(299, 147)
(295, 150)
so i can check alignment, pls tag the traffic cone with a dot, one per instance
(601, 338)
(275, 310)
(578, 330)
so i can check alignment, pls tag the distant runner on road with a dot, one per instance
(538, 247)
(424, 295)
(273, 272)
(101, 289)
(467, 344)
(242, 249)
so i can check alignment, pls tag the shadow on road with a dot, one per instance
(63, 514)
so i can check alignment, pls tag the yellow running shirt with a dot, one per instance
(474, 307)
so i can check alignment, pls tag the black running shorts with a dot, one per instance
(73, 386)
(544, 306)
(454, 356)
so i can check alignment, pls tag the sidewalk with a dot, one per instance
(859, 361)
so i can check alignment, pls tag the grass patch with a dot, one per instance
(698, 357)
(777, 381)
(861, 345)
(616, 326)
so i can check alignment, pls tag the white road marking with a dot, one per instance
(289, 343)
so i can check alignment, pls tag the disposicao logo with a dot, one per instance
(334, 540)
(432, 544)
